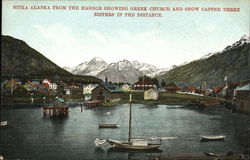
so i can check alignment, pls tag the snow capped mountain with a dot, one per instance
(122, 71)
(93, 67)
(68, 69)
(126, 71)
(244, 40)
(146, 68)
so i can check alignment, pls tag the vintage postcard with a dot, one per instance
(126, 79)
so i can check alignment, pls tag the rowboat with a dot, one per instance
(108, 125)
(3, 123)
(212, 138)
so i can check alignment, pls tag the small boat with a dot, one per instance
(134, 145)
(212, 138)
(108, 125)
(3, 123)
(108, 113)
(210, 154)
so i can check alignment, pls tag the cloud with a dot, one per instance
(61, 45)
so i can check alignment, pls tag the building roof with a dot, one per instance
(170, 85)
(244, 88)
(32, 84)
(151, 90)
(46, 85)
(112, 88)
(60, 100)
(218, 89)
(145, 82)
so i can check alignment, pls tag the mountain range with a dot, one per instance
(232, 62)
(18, 59)
(121, 71)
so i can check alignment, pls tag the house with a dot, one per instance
(49, 85)
(30, 86)
(208, 92)
(242, 102)
(144, 85)
(3, 90)
(228, 90)
(106, 92)
(188, 89)
(59, 102)
(151, 94)
(45, 89)
(217, 92)
(75, 88)
(87, 89)
(171, 88)
(126, 87)
(12, 85)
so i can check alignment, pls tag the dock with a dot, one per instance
(91, 104)
(215, 103)
(55, 110)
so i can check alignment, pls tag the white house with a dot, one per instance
(49, 84)
(126, 87)
(151, 94)
(87, 89)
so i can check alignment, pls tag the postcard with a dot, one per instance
(143, 79)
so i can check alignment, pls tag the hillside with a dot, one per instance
(233, 62)
(20, 60)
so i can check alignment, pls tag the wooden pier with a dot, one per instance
(209, 104)
(55, 110)
(91, 104)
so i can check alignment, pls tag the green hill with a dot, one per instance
(21, 61)
(233, 62)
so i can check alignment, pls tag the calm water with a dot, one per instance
(29, 135)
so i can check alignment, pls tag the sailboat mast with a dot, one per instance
(130, 113)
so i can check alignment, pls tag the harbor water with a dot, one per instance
(30, 135)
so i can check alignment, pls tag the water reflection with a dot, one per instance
(133, 154)
(112, 149)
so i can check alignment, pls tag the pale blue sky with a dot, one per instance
(69, 38)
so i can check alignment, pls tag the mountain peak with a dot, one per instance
(97, 59)
(245, 38)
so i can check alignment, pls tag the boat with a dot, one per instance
(108, 113)
(212, 138)
(133, 144)
(3, 123)
(108, 125)
(210, 154)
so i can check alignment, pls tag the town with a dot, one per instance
(235, 96)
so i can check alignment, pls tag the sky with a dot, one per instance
(70, 37)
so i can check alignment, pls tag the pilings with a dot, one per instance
(91, 104)
(55, 111)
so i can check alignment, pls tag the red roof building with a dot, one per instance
(171, 87)
(144, 85)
